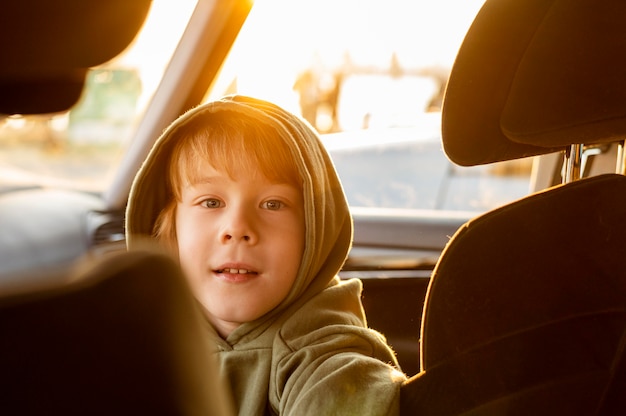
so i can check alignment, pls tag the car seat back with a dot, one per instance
(125, 337)
(526, 311)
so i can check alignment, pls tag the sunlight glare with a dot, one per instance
(282, 38)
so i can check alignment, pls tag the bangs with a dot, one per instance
(233, 144)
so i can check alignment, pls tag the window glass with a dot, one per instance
(370, 75)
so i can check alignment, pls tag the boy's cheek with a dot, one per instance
(190, 272)
(186, 229)
(185, 249)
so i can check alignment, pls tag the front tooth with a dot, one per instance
(243, 271)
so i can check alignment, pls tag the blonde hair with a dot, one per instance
(231, 143)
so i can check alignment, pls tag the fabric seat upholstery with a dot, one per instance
(522, 317)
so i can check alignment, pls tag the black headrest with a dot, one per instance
(48, 46)
(535, 76)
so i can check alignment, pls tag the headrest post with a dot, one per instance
(573, 163)
(621, 159)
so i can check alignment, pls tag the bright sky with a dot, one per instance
(284, 36)
(420, 31)
(281, 37)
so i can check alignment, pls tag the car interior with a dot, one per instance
(521, 310)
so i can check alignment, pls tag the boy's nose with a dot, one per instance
(230, 237)
(239, 228)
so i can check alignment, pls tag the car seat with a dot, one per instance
(122, 337)
(526, 309)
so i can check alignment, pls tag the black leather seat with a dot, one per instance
(526, 310)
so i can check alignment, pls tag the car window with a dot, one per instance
(407, 168)
(369, 75)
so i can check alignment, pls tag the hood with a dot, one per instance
(328, 222)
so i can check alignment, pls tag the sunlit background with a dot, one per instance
(342, 64)
(393, 55)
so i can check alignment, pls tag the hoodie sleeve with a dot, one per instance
(327, 362)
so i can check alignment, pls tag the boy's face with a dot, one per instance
(240, 243)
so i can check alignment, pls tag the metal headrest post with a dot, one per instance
(621, 159)
(573, 163)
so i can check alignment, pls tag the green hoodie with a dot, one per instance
(313, 354)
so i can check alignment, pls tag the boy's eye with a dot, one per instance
(272, 205)
(212, 203)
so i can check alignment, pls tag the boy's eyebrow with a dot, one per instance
(201, 180)
(196, 180)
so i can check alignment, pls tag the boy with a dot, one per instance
(246, 198)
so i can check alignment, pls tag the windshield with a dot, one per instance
(367, 74)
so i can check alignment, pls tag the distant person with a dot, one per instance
(439, 76)
(307, 87)
(246, 198)
(435, 103)
(330, 100)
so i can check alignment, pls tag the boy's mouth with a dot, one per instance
(235, 271)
